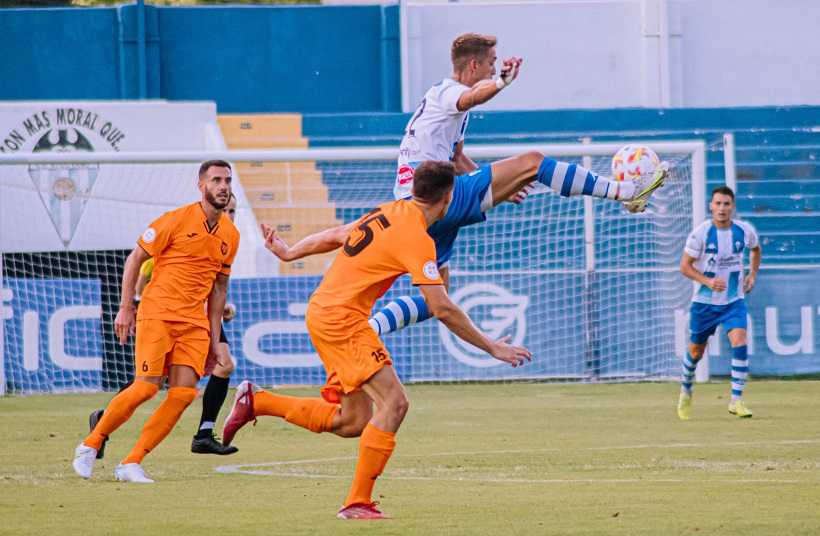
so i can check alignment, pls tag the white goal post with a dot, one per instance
(593, 291)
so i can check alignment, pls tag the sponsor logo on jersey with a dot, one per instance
(409, 153)
(728, 262)
(405, 174)
(149, 235)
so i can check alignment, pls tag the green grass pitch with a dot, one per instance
(490, 459)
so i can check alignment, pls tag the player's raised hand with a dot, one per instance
(125, 323)
(509, 72)
(514, 355)
(273, 243)
(717, 284)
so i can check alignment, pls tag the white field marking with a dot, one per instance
(249, 468)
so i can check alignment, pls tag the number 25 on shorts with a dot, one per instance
(379, 355)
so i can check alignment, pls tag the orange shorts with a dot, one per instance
(350, 358)
(161, 343)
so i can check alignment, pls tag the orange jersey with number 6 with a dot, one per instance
(187, 256)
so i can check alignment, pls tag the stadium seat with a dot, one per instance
(287, 195)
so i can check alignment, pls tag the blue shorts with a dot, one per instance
(464, 210)
(704, 319)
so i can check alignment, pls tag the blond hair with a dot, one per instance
(468, 47)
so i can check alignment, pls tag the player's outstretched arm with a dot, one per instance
(125, 322)
(460, 324)
(484, 90)
(321, 242)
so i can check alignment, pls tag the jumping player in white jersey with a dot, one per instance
(713, 259)
(436, 132)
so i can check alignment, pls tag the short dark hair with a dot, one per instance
(724, 190)
(203, 169)
(433, 181)
(468, 47)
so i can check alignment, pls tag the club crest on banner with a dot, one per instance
(64, 189)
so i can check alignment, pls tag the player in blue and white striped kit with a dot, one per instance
(713, 259)
(436, 132)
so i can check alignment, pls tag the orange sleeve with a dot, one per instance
(420, 260)
(228, 263)
(158, 235)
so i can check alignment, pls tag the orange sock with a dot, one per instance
(119, 410)
(161, 422)
(375, 448)
(313, 414)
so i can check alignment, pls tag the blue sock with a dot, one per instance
(689, 366)
(571, 179)
(740, 368)
(399, 314)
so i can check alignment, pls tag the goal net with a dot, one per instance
(593, 291)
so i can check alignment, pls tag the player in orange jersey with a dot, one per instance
(193, 249)
(387, 242)
(216, 390)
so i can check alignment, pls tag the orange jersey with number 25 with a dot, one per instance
(389, 241)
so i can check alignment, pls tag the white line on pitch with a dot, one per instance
(531, 480)
(242, 468)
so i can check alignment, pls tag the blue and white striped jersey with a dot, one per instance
(433, 132)
(719, 253)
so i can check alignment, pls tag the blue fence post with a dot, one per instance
(142, 74)
(390, 60)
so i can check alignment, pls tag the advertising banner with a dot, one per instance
(52, 344)
(53, 338)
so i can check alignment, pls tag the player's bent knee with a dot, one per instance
(531, 161)
(737, 337)
(696, 351)
(697, 355)
(399, 407)
(224, 371)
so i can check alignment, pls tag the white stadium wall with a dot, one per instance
(627, 53)
(132, 195)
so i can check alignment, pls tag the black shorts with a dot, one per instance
(222, 337)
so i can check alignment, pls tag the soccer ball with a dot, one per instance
(633, 161)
